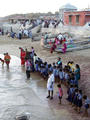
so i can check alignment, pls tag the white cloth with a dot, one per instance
(26, 32)
(50, 82)
(60, 37)
(34, 59)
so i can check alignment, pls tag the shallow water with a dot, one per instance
(19, 95)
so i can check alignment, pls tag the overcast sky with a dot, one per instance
(8, 7)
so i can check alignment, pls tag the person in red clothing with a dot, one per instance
(64, 39)
(57, 41)
(64, 48)
(53, 48)
(22, 56)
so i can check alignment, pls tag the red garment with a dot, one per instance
(56, 39)
(64, 40)
(23, 54)
(50, 42)
(60, 92)
(53, 48)
(65, 47)
(7, 62)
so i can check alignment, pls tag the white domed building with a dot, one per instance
(67, 7)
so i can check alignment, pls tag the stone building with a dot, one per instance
(76, 18)
(15, 19)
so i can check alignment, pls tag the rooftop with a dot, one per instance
(68, 6)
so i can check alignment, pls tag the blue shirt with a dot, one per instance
(60, 75)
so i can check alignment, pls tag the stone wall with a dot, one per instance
(75, 31)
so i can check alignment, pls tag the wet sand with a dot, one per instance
(18, 95)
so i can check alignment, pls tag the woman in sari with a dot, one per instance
(22, 56)
(77, 74)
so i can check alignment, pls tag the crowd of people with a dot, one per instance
(23, 30)
(68, 75)
(21, 34)
(51, 23)
(58, 40)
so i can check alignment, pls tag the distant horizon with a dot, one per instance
(9, 7)
(28, 13)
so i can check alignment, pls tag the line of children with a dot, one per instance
(69, 75)
(86, 105)
(75, 98)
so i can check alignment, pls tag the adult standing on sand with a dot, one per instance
(50, 85)
(7, 59)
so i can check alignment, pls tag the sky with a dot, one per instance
(8, 7)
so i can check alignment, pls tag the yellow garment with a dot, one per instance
(72, 66)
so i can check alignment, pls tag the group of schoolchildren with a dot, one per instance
(75, 98)
(69, 75)
(66, 75)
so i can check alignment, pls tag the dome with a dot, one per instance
(68, 6)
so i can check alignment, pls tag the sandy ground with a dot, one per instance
(81, 57)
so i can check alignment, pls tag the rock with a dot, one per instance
(21, 118)
(24, 116)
